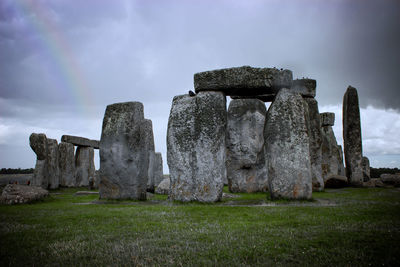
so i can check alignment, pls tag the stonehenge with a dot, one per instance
(289, 150)
(352, 137)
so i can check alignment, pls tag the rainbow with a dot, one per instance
(68, 77)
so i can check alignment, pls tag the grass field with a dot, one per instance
(352, 226)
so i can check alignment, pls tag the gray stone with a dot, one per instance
(374, 182)
(196, 147)
(66, 162)
(84, 165)
(19, 194)
(315, 144)
(327, 119)
(366, 169)
(391, 179)
(245, 163)
(336, 181)
(342, 170)
(38, 143)
(163, 187)
(85, 193)
(158, 169)
(80, 141)
(331, 158)
(243, 81)
(124, 152)
(352, 137)
(52, 164)
(287, 148)
(305, 87)
(150, 142)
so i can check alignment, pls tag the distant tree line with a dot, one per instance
(16, 171)
(376, 172)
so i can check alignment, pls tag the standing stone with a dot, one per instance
(342, 170)
(158, 169)
(287, 148)
(38, 143)
(124, 152)
(366, 169)
(67, 164)
(315, 144)
(52, 163)
(151, 148)
(245, 163)
(196, 147)
(84, 165)
(352, 137)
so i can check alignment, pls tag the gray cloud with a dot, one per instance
(67, 59)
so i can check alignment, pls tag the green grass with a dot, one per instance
(352, 226)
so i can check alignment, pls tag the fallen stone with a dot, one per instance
(80, 141)
(84, 166)
(305, 87)
(52, 164)
(315, 144)
(366, 169)
(163, 187)
(336, 181)
(390, 179)
(124, 152)
(20, 194)
(243, 81)
(374, 182)
(245, 163)
(67, 164)
(196, 147)
(352, 137)
(327, 119)
(287, 148)
(38, 143)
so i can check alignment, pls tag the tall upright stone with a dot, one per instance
(52, 164)
(124, 152)
(158, 169)
(155, 171)
(84, 165)
(38, 143)
(352, 137)
(366, 169)
(67, 164)
(315, 144)
(196, 146)
(151, 148)
(342, 170)
(287, 148)
(245, 163)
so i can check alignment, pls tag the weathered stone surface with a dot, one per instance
(342, 170)
(196, 147)
(336, 181)
(374, 182)
(366, 169)
(305, 87)
(52, 163)
(315, 144)
(124, 152)
(243, 81)
(158, 169)
(331, 158)
(327, 119)
(19, 194)
(38, 143)
(163, 187)
(66, 162)
(150, 142)
(287, 148)
(245, 163)
(391, 179)
(84, 165)
(352, 137)
(80, 141)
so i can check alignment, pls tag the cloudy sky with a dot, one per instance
(62, 62)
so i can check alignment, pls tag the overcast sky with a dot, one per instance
(62, 62)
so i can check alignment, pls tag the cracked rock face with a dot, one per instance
(287, 148)
(67, 164)
(352, 137)
(196, 147)
(52, 163)
(84, 166)
(245, 164)
(124, 152)
(332, 160)
(38, 143)
(315, 144)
